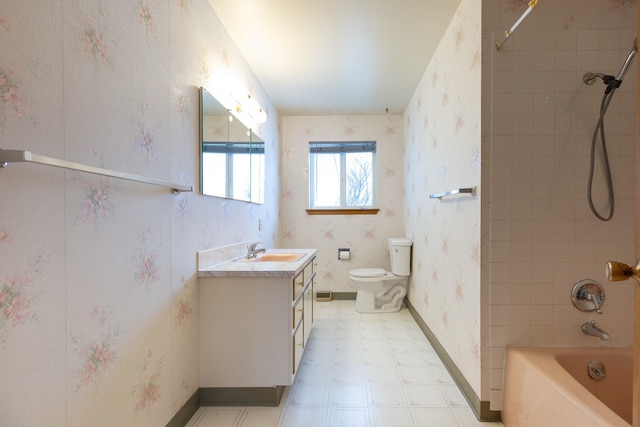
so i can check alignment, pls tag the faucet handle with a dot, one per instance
(588, 295)
(618, 271)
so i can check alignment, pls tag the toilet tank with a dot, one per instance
(400, 252)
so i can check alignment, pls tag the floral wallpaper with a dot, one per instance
(365, 235)
(442, 133)
(496, 270)
(98, 288)
(98, 285)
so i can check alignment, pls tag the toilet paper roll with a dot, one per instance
(344, 255)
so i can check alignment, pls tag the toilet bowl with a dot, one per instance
(379, 291)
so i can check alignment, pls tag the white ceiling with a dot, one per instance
(342, 57)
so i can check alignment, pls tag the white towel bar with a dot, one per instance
(13, 156)
(464, 190)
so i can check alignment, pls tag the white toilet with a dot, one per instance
(380, 291)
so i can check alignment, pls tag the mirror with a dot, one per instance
(231, 155)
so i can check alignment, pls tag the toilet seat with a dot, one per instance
(368, 272)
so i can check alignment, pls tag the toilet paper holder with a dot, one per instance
(344, 254)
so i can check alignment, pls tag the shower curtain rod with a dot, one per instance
(14, 156)
(507, 33)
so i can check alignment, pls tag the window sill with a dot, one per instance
(357, 211)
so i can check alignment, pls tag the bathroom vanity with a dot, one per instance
(256, 316)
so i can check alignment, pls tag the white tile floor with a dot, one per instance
(359, 370)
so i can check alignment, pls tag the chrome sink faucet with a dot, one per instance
(252, 251)
(590, 328)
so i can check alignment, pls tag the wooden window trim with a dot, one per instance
(367, 211)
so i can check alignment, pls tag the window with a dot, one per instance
(229, 166)
(342, 175)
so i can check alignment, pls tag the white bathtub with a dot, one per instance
(550, 386)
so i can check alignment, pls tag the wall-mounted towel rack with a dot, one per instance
(13, 156)
(463, 190)
(507, 33)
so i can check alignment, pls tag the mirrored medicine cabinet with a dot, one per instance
(231, 155)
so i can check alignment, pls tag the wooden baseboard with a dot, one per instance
(241, 396)
(481, 409)
(270, 396)
(184, 414)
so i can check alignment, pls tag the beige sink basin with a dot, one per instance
(273, 257)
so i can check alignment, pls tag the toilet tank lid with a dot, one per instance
(368, 272)
(399, 241)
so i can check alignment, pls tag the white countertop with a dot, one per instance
(239, 268)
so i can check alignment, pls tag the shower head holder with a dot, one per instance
(611, 82)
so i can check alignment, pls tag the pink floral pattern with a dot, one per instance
(182, 105)
(184, 208)
(146, 143)
(96, 203)
(184, 6)
(4, 23)
(145, 18)
(516, 5)
(5, 237)
(184, 310)
(147, 391)
(92, 44)
(15, 302)
(183, 307)
(147, 271)
(11, 97)
(621, 4)
(96, 355)
(205, 70)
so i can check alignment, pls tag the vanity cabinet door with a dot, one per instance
(298, 347)
(308, 311)
(302, 314)
(297, 313)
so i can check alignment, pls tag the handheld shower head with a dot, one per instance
(613, 82)
(627, 62)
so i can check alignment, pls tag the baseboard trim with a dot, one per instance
(481, 409)
(344, 296)
(184, 414)
(271, 396)
(241, 396)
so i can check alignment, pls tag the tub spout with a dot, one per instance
(590, 328)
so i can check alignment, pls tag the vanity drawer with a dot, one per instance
(303, 278)
(308, 271)
(298, 285)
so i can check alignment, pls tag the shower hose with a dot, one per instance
(599, 131)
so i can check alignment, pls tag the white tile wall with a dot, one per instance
(543, 236)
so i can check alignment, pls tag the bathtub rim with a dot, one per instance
(561, 380)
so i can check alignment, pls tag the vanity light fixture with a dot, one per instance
(234, 97)
(255, 110)
(248, 108)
